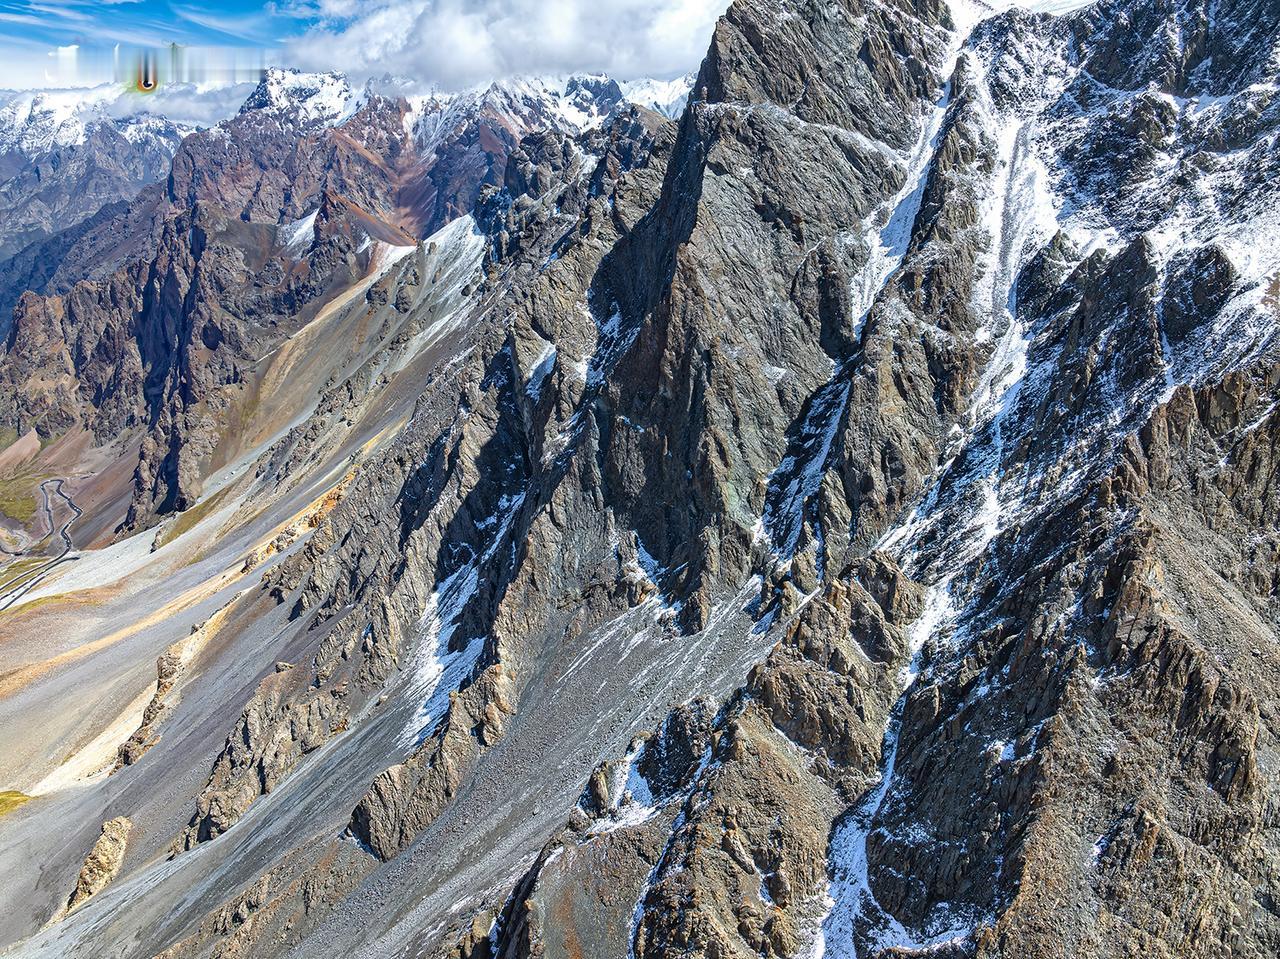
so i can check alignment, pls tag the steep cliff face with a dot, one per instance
(1023, 763)
(840, 522)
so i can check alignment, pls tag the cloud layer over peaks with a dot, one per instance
(459, 43)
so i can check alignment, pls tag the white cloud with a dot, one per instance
(186, 103)
(457, 43)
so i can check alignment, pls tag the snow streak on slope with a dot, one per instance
(458, 251)
(890, 244)
(1018, 216)
(803, 470)
(631, 802)
(298, 235)
(440, 665)
(797, 478)
(851, 904)
(977, 494)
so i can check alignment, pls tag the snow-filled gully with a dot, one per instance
(797, 478)
(437, 670)
(1018, 214)
(849, 901)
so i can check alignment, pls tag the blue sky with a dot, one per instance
(449, 43)
(49, 23)
(31, 31)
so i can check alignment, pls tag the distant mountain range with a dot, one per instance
(67, 154)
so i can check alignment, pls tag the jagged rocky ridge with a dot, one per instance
(842, 523)
(261, 222)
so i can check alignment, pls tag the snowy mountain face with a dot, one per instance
(35, 122)
(840, 522)
(307, 98)
(518, 106)
(667, 97)
(63, 156)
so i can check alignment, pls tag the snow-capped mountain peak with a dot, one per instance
(324, 98)
(667, 97)
(36, 121)
(571, 104)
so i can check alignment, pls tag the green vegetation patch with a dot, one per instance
(15, 571)
(19, 497)
(11, 799)
(57, 599)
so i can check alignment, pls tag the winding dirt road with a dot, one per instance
(28, 581)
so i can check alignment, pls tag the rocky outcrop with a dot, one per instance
(171, 666)
(276, 729)
(168, 668)
(104, 860)
(743, 871)
(840, 450)
(730, 824)
(406, 798)
(281, 906)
